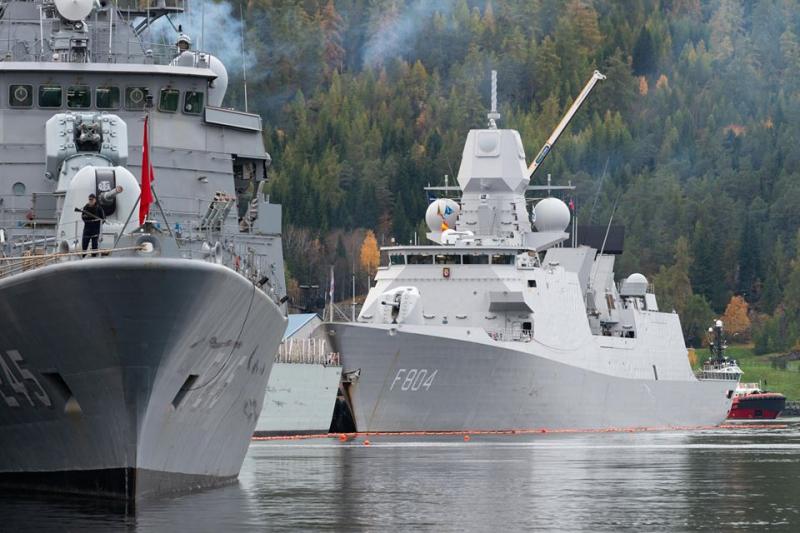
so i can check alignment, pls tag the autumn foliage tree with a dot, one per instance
(737, 323)
(370, 255)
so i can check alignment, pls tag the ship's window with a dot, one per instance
(168, 102)
(135, 98)
(20, 95)
(49, 96)
(531, 283)
(476, 259)
(419, 259)
(397, 260)
(447, 259)
(193, 102)
(18, 188)
(79, 97)
(107, 97)
(502, 259)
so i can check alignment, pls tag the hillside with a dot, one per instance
(695, 130)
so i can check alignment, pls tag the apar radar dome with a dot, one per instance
(442, 214)
(551, 215)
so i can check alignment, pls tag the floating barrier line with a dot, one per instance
(350, 436)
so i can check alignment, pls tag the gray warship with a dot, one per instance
(500, 325)
(141, 370)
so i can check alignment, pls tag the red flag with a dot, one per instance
(147, 178)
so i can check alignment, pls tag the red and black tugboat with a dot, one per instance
(751, 402)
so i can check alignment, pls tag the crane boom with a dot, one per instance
(596, 76)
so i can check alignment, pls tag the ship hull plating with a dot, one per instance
(410, 381)
(129, 377)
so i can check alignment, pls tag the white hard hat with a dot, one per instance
(183, 38)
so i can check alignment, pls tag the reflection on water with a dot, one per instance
(723, 479)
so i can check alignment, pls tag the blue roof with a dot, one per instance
(296, 322)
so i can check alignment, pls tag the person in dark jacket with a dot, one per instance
(93, 216)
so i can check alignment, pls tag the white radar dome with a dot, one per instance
(74, 9)
(636, 278)
(216, 91)
(551, 215)
(218, 87)
(634, 285)
(442, 214)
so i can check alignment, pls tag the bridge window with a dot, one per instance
(107, 97)
(397, 260)
(168, 102)
(193, 102)
(502, 259)
(447, 259)
(50, 96)
(419, 259)
(476, 259)
(135, 98)
(20, 95)
(79, 97)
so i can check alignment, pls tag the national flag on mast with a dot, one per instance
(147, 176)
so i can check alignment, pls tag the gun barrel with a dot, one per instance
(110, 195)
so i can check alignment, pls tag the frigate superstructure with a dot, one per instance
(501, 326)
(141, 370)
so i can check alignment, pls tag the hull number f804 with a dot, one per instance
(414, 379)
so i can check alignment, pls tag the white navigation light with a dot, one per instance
(551, 214)
(74, 9)
(442, 214)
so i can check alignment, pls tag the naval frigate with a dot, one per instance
(141, 370)
(500, 327)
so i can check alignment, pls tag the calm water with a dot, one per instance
(725, 479)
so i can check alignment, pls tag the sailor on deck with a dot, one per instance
(93, 216)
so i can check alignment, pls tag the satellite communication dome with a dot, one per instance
(551, 215)
(442, 214)
(634, 285)
(74, 9)
(637, 278)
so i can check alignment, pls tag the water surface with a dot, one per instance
(747, 478)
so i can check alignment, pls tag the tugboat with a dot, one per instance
(750, 401)
(718, 366)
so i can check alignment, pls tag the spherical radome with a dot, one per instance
(442, 214)
(637, 278)
(551, 215)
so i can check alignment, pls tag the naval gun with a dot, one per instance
(596, 76)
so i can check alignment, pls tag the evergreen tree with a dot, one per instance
(644, 54)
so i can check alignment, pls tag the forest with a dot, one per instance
(694, 135)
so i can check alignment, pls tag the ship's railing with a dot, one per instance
(134, 52)
(510, 334)
(312, 351)
(142, 7)
(25, 235)
(728, 370)
(29, 261)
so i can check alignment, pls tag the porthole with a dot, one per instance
(18, 188)
(135, 98)
(20, 96)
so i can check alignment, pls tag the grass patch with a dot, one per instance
(760, 368)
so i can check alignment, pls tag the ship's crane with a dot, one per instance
(596, 76)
